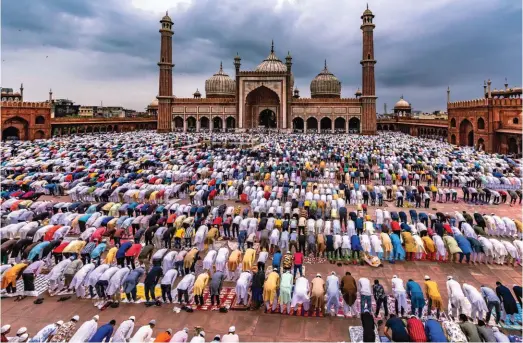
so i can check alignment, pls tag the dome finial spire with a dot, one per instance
(367, 5)
(221, 66)
(272, 46)
(325, 64)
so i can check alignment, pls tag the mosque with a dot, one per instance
(266, 97)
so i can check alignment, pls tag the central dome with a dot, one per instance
(220, 85)
(325, 85)
(272, 63)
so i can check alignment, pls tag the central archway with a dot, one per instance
(267, 119)
(298, 125)
(326, 124)
(312, 124)
(258, 103)
(466, 133)
(339, 125)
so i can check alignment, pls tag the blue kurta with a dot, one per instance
(416, 294)
(463, 244)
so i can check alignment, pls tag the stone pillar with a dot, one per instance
(211, 125)
(304, 126)
(198, 126)
(319, 126)
(347, 126)
(185, 125)
(332, 126)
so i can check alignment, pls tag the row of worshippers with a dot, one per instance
(384, 154)
(414, 329)
(91, 331)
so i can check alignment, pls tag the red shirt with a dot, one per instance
(298, 258)
(416, 330)
(395, 226)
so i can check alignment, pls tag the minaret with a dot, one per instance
(485, 87)
(288, 63)
(50, 95)
(448, 94)
(368, 98)
(489, 93)
(165, 91)
(506, 84)
(22, 92)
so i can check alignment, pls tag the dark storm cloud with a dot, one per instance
(486, 46)
(211, 31)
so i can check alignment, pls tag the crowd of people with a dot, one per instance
(140, 210)
(92, 331)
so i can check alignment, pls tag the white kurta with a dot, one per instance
(301, 292)
(221, 259)
(115, 282)
(208, 261)
(124, 331)
(143, 334)
(474, 297)
(78, 280)
(85, 332)
(242, 287)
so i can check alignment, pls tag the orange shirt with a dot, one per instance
(163, 337)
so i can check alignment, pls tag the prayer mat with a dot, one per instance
(41, 285)
(314, 260)
(356, 334)
(227, 298)
(508, 324)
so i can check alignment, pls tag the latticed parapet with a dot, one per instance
(468, 103)
(25, 104)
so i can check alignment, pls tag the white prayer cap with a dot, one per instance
(170, 331)
(23, 337)
(6, 328)
(449, 277)
(318, 275)
(132, 318)
(76, 318)
(96, 317)
(21, 331)
(394, 276)
(333, 273)
(202, 333)
(427, 277)
(186, 329)
(232, 329)
(60, 322)
(152, 322)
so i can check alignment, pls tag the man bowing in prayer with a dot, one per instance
(86, 331)
(349, 290)
(124, 331)
(301, 295)
(318, 294)
(333, 293)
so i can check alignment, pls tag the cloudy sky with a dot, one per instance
(93, 51)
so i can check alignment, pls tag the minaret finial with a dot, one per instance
(221, 66)
(401, 96)
(167, 12)
(272, 46)
(367, 5)
(325, 64)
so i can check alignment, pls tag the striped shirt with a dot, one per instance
(416, 330)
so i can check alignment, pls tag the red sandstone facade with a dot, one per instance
(25, 120)
(493, 123)
(266, 97)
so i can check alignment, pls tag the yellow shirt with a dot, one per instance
(111, 255)
(431, 289)
(180, 233)
(201, 282)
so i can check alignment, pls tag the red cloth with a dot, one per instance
(171, 219)
(395, 226)
(134, 250)
(416, 330)
(59, 249)
(447, 228)
(98, 234)
(50, 233)
(298, 258)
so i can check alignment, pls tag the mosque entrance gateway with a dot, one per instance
(267, 119)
